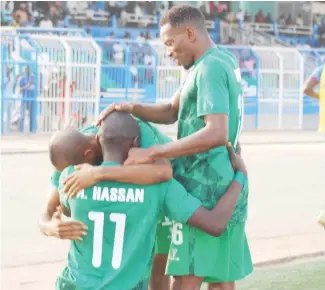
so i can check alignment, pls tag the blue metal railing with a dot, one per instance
(128, 72)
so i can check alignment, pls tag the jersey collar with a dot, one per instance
(206, 54)
(107, 163)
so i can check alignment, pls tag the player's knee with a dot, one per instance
(160, 262)
(190, 282)
(158, 278)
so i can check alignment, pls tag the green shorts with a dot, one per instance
(223, 259)
(65, 282)
(163, 235)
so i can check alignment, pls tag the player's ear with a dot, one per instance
(191, 33)
(88, 153)
(136, 142)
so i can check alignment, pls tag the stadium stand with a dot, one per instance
(81, 56)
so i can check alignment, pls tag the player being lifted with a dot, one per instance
(122, 218)
(209, 110)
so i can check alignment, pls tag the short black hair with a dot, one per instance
(68, 145)
(182, 14)
(118, 127)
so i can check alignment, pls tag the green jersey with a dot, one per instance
(121, 218)
(213, 86)
(149, 136)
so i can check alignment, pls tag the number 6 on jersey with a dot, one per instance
(98, 219)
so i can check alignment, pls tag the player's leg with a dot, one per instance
(175, 283)
(187, 283)
(180, 260)
(190, 283)
(222, 286)
(158, 279)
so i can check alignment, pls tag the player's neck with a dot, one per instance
(115, 155)
(205, 44)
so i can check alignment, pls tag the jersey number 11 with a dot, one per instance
(98, 219)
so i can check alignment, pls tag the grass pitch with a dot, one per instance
(299, 275)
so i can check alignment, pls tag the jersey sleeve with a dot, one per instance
(178, 204)
(55, 178)
(147, 137)
(63, 196)
(160, 137)
(212, 90)
(316, 74)
(150, 135)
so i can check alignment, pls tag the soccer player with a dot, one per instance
(318, 78)
(209, 110)
(121, 218)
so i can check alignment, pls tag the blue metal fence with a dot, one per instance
(249, 66)
(128, 72)
(19, 85)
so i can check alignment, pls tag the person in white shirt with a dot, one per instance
(46, 22)
(299, 21)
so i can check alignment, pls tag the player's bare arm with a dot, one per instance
(215, 221)
(309, 86)
(157, 113)
(50, 222)
(52, 202)
(88, 175)
(214, 134)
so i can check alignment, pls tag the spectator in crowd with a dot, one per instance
(281, 20)
(111, 36)
(231, 17)
(299, 21)
(17, 21)
(307, 44)
(46, 22)
(259, 17)
(141, 37)
(126, 35)
(247, 17)
(20, 16)
(26, 87)
(240, 18)
(289, 20)
(268, 18)
(6, 15)
(138, 10)
(147, 35)
(123, 18)
(30, 21)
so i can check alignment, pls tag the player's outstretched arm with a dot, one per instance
(88, 175)
(157, 113)
(52, 202)
(212, 105)
(311, 83)
(50, 222)
(215, 221)
(214, 134)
